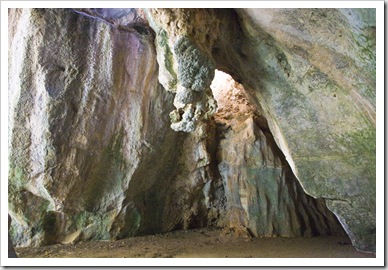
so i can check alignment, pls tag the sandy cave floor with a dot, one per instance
(201, 243)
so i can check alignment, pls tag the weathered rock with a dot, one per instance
(11, 250)
(88, 122)
(130, 18)
(92, 154)
(312, 75)
(312, 72)
(262, 193)
(198, 193)
(185, 65)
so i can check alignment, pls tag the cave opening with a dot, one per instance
(117, 156)
(263, 197)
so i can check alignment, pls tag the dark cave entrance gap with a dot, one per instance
(270, 201)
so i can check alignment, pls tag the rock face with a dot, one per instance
(11, 250)
(312, 72)
(92, 152)
(186, 66)
(89, 123)
(262, 193)
(114, 130)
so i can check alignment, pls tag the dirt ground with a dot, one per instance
(201, 243)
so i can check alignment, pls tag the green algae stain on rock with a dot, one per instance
(92, 225)
(363, 147)
(107, 176)
(28, 219)
(132, 223)
(342, 174)
(17, 176)
(126, 223)
(195, 67)
(162, 41)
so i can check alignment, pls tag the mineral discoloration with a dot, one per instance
(96, 97)
(314, 109)
(184, 39)
(262, 194)
(84, 123)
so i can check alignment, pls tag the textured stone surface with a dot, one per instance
(11, 250)
(92, 152)
(313, 73)
(262, 193)
(88, 124)
(129, 18)
(183, 39)
(93, 93)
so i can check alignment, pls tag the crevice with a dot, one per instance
(252, 165)
(134, 23)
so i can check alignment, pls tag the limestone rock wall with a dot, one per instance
(262, 193)
(183, 42)
(88, 128)
(11, 250)
(92, 152)
(112, 131)
(312, 72)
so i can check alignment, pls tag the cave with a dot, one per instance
(229, 123)
(262, 194)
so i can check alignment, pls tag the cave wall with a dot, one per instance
(88, 122)
(92, 154)
(311, 74)
(262, 192)
(112, 131)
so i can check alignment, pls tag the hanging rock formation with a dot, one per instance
(311, 74)
(114, 130)
(183, 41)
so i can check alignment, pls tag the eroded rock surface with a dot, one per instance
(262, 193)
(92, 152)
(313, 73)
(93, 94)
(186, 67)
(88, 122)
(11, 250)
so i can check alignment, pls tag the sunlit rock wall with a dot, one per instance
(92, 154)
(112, 130)
(88, 128)
(262, 193)
(311, 74)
